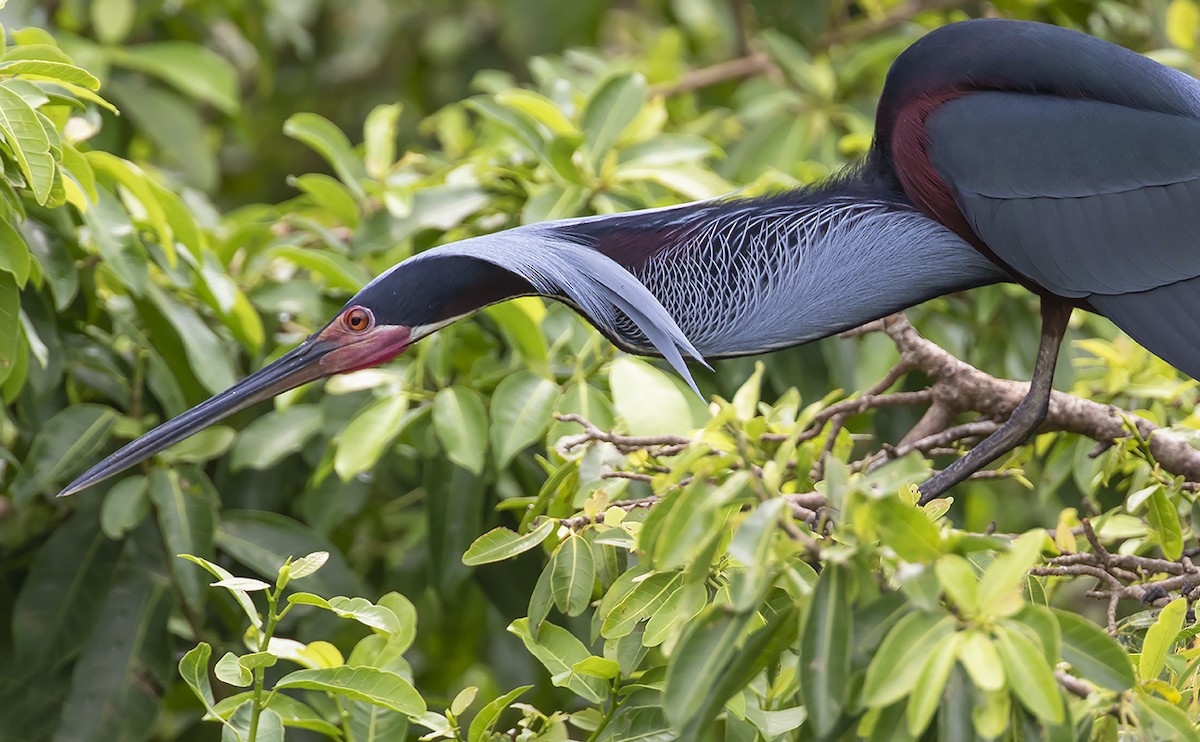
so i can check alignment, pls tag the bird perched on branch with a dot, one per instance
(1003, 151)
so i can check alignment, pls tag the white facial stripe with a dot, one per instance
(419, 331)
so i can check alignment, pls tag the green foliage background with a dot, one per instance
(272, 156)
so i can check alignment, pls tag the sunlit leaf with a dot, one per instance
(368, 684)
(559, 651)
(500, 543)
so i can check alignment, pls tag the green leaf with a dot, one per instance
(242, 597)
(699, 661)
(63, 444)
(559, 651)
(368, 684)
(897, 663)
(981, 659)
(406, 614)
(681, 527)
(14, 259)
(1168, 721)
(521, 409)
(483, 722)
(679, 608)
(206, 353)
(379, 139)
(931, 683)
(907, 530)
(63, 593)
(336, 198)
(10, 327)
(537, 107)
(622, 610)
(231, 672)
(500, 543)
(125, 507)
(611, 107)
(338, 271)
(1093, 654)
(117, 682)
(960, 583)
(307, 565)
(189, 67)
(647, 399)
(187, 515)
(1164, 519)
(1160, 637)
(28, 141)
(247, 584)
(329, 142)
(369, 435)
(275, 436)
(1007, 572)
(573, 571)
(460, 421)
(598, 667)
(519, 321)
(193, 668)
(112, 19)
(1030, 676)
(292, 712)
(1182, 23)
(371, 723)
(761, 649)
(751, 544)
(359, 609)
(825, 650)
(38, 69)
(151, 196)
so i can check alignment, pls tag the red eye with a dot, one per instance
(358, 319)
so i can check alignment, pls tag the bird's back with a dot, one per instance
(1072, 162)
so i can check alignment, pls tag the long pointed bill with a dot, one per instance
(332, 351)
(294, 368)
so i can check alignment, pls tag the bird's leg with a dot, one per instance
(1027, 416)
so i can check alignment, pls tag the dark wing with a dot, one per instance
(1087, 199)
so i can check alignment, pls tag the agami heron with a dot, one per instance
(1003, 151)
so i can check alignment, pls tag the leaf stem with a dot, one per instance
(264, 639)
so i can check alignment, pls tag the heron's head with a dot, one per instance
(409, 302)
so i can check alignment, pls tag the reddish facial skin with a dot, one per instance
(359, 350)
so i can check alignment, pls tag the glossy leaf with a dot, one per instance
(187, 517)
(1094, 654)
(611, 107)
(559, 651)
(520, 413)
(647, 400)
(62, 445)
(1030, 676)
(368, 684)
(500, 543)
(363, 442)
(460, 420)
(573, 571)
(1160, 638)
(274, 436)
(825, 650)
(483, 722)
(897, 663)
